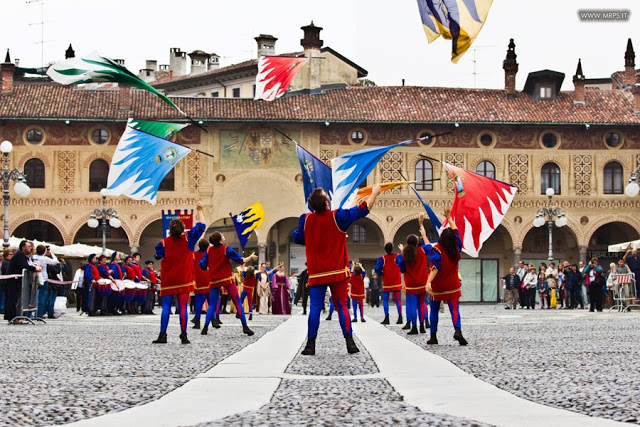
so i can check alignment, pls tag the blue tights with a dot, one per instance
(339, 300)
(396, 298)
(454, 308)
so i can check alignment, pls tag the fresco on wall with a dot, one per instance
(257, 147)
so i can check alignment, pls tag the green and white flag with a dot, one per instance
(95, 68)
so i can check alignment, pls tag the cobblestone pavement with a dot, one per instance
(571, 359)
(79, 367)
(331, 358)
(338, 401)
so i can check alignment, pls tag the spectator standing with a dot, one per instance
(543, 290)
(6, 257)
(633, 262)
(375, 287)
(303, 289)
(512, 285)
(529, 286)
(595, 282)
(18, 262)
(552, 284)
(293, 282)
(47, 292)
(521, 272)
(585, 290)
(574, 284)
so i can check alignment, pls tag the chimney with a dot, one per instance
(177, 62)
(6, 72)
(214, 62)
(510, 67)
(124, 97)
(199, 62)
(578, 83)
(266, 44)
(119, 61)
(312, 45)
(629, 66)
(69, 53)
(151, 64)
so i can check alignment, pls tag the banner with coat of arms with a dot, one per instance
(257, 148)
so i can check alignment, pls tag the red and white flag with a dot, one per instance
(275, 74)
(479, 205)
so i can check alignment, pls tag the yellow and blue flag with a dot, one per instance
(247, 221)
(457, 20)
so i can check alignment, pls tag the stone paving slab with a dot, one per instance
(80, 367)
(570, 359)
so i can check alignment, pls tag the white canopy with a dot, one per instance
(77, 250)
(623, 247)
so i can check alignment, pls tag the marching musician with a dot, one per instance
(149, 273)
(91, 276)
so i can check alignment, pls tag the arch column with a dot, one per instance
(262, 252)
(517, 253)
(134, 248)
(583, 253)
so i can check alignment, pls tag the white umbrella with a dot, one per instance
(80, 250)
(14, 242)
(623, 247)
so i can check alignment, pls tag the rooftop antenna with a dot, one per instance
(475, 64)
(41, 23)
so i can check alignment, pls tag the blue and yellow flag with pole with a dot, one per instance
(457, 20)
(247, 221)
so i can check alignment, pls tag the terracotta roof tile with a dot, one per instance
(352, 104)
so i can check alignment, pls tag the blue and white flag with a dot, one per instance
(143, 159)
(315, 173)
(350, 170)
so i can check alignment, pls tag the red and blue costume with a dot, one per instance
(201, 288)
(391, 275)
(415, 282)
(357, 294)
(446, 285)
(91, 276)
(248, 286)
(328, 261)
(217, 261)
(178, 277)
(150, 301)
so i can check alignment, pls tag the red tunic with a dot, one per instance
(202, 277)
(219, 267)
(391, 275)
(131, 273)
(416, 275)
(327, 258)
(249, 284)
(96, 275)
(138, 270)
(177, 266)
(446, 284)
(357, 287)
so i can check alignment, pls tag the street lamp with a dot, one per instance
(633, 188)
(103, 214)
(549, 213)
(21, 188)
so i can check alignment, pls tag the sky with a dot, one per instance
(384, 37)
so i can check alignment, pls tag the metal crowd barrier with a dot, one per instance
(29, 299)
(624, 292)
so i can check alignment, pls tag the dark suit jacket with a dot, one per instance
(17, 263)
(516, 281)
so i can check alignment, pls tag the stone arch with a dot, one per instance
(497, 162)
(96, 156)
(75, 228)
(384, 229)
(135, 241)
(558, 160)
(414, 161)
(14, 223)
(572, 224)
(45, 160)
(509, 225)
(625, 161)
(398, 224)
(604, 220)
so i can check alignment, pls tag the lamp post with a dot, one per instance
(550, 212)
(632, 189)
(103, 214)
(21, 187)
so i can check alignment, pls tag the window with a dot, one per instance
(424, 175)
(168, 182)
(34, 136)
(613, 179)
(98, 173)
(236, 92)
(357, 137)
(486, 168)
(99, 136)
(549, 140)
(428, 141)
(215, 94)
(612, 139)
(550, 178)
(34, 170)
(359, 234)
(545, 92)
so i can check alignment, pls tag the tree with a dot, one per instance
(366, 82)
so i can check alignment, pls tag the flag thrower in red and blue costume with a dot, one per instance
(275, 74)
(479, 206)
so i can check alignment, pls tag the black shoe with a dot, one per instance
(162, 339)
(310, 348)
(362, 320)
(218, 319)
(204, 330)
(237, 316)
(458, 337)
(328, 317)
(351, 345)
(355, 319)
(385, 321)
(215, 322)
(413, 331)
(251, 316)
(507, 308)
(407, 326)
(422, 328)
(433, 339)
(426, 322)
(246, 330)
(193, 320)
(196, 324)
(224, 312)
(400, 321)
(183, 338)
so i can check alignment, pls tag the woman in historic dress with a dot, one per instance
(280, 285)
(263, 291)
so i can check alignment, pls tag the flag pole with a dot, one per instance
(177, 143)
(286, 136)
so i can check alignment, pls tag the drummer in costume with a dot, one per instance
(323, 231)
(91, 277)
(149, 273)
(217, 260)
(129, 273)
(444, 281)
(357, 292)
(248, 285)
(201, 289)
(104, 285)
(389, 271)
(135, 263)
(116, 301)
(178, 277)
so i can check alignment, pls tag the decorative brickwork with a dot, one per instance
(67, 162)
(390, 165)
(518, 169)
(582, 168)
